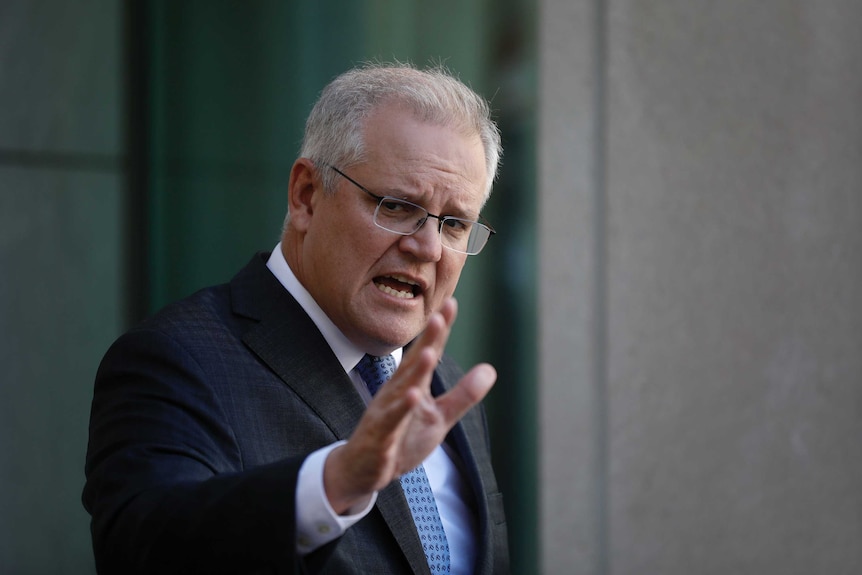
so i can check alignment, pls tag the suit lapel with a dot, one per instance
(286, 339)
(469, 437)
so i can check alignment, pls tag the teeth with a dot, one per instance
(390, 291)
(404, 280)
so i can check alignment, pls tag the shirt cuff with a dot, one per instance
(316, 522)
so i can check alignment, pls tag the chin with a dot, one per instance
(390, 338)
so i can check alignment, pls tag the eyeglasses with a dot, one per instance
(406, 218)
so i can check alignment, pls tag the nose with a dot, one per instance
(425, 243)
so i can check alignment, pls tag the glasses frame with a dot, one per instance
(440, 219)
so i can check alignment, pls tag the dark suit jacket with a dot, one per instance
(201, 419)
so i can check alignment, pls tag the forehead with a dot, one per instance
(425, 156)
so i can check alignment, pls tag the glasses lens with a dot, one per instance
(399, 216)
(405, 218)
(465, 236)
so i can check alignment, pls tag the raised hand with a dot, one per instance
(404, 422)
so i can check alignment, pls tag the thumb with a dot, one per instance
(470, 390)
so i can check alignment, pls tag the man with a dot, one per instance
(242, 430)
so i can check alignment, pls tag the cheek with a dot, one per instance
(345, 239)
(359, 251)
(332, 255)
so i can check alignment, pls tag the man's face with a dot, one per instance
(378, 287)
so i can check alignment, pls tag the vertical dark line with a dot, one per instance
(136, 173)
(600, 275)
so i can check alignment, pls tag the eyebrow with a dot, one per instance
(401, 194)
(456, 212)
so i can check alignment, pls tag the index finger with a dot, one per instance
(422, 356)
(436, 332)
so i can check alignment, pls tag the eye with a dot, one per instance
(455, 226)
(391, 206)
(394, 209)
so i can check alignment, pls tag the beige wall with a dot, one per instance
(701, 293)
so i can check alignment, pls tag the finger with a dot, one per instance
(449, 310)
(420, 360)
(434, 337)
(384, 421)
(439, 327)
(414, 373)
(470, 390)
(367, 462)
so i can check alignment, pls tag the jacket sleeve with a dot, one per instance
(165, 482)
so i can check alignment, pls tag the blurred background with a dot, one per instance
(145, 149)
(673, 302)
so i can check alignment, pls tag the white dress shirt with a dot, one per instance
(316, 521)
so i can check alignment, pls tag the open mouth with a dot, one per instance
(397, 286)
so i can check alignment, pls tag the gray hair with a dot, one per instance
(334, 131)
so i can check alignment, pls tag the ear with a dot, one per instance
(303, 191)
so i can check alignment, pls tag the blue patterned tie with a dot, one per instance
(375, 371)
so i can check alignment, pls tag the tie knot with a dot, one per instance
(375, 371)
